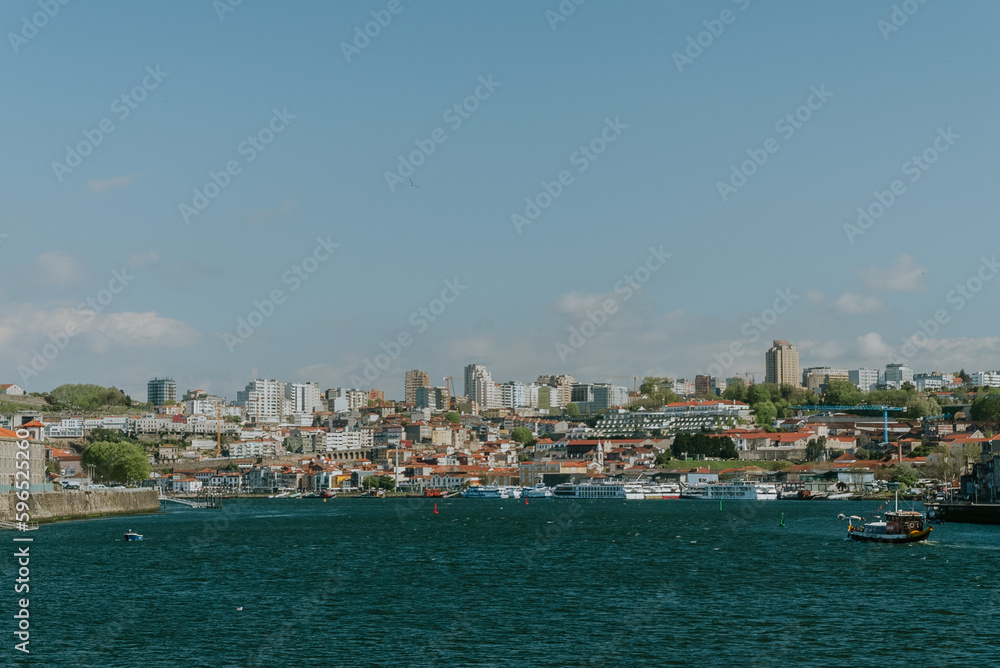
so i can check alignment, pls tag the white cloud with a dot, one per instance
(144, 330)
(57, 268)
(24, 327)
(871, 346)
(112, 183)
(905, 275)
(851, 303)
(136, 260)
(576, 303)
(825, 351)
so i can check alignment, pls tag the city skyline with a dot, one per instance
(488, 392)
(630, 201)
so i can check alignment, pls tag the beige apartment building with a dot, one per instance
(782, 364)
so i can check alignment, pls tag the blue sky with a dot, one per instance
(344, 124)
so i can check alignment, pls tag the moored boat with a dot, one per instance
(485, 492)
(539, 491)
(741, 491)
(664, 491)
(589, 490)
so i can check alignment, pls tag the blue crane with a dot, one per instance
(866, 407)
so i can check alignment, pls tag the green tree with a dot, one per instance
(986, 408)
(757, 394)
(842, 393)
(117, 462)
(735, 392)
(765, 412)
(521, 434)
(88, 397)
(648, 404)
(922, 406)
(659, 389)
(110, 435)
(571, 410)
(968, 455)
(454, 418)
(905, 475)
(816, 448)
(862, 454)
(783, 408)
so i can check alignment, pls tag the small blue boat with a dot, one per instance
(131, 535)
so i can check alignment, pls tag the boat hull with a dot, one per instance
(912, 537)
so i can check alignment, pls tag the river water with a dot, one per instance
(370, 582)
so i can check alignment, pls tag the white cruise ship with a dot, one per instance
(741, 491)
(486, 492)
(589, 490)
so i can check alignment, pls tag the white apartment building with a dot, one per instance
(303, 398)
(480, 388)
(356, 399)
(897, 374)
(264, 400)
(256, 448)
(863, 378)
(344, 439)
(518, 395)
(985, 378)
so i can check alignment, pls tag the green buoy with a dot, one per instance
(782, 520)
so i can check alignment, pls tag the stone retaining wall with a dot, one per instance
(66, 505)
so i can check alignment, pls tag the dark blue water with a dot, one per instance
(359, 582)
